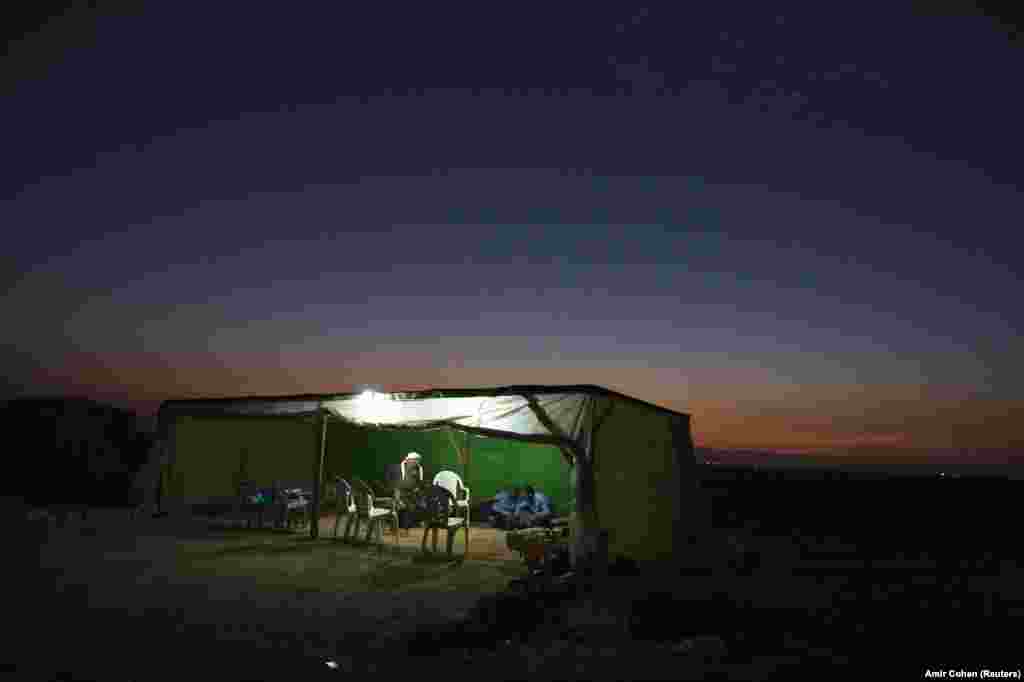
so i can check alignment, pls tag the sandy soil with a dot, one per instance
(112, 599)
(129, 577)
(157, 599)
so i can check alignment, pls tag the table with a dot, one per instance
(538, 546)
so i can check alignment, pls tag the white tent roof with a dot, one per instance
(510, 414)
(552, 414)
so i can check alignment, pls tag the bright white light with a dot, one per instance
(375, 407)
(332, 665)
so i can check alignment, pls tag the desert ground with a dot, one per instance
(145, 582)
(111, 598)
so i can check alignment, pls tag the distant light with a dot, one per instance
(332, 665)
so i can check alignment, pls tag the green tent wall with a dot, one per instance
(634, 465)
(214, 453)
(495, 463)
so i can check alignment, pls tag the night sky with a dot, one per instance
(801, 229)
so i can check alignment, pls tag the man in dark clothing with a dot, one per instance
(410, 476)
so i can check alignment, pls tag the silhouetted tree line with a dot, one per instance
(72, 451)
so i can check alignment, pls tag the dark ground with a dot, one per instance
(926, 569)
(896, 576)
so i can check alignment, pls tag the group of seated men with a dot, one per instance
(522, 507)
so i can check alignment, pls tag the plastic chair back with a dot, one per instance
(452, 482)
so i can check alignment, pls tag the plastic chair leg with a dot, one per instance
(451, 539)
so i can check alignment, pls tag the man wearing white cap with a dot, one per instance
(412, 469)
(411, 476)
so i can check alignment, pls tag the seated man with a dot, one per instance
(504, 508)
(412, 469)
(534, 509)
(412, 474)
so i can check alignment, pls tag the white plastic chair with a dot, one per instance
(452, 482)
(439, 504)
(347, 508)
(368, 511)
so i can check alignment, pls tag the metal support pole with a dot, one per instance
(318, 469)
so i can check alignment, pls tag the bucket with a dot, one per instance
(534, 552)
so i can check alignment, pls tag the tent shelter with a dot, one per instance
(623, 466)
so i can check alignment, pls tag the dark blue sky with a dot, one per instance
(801, 229)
